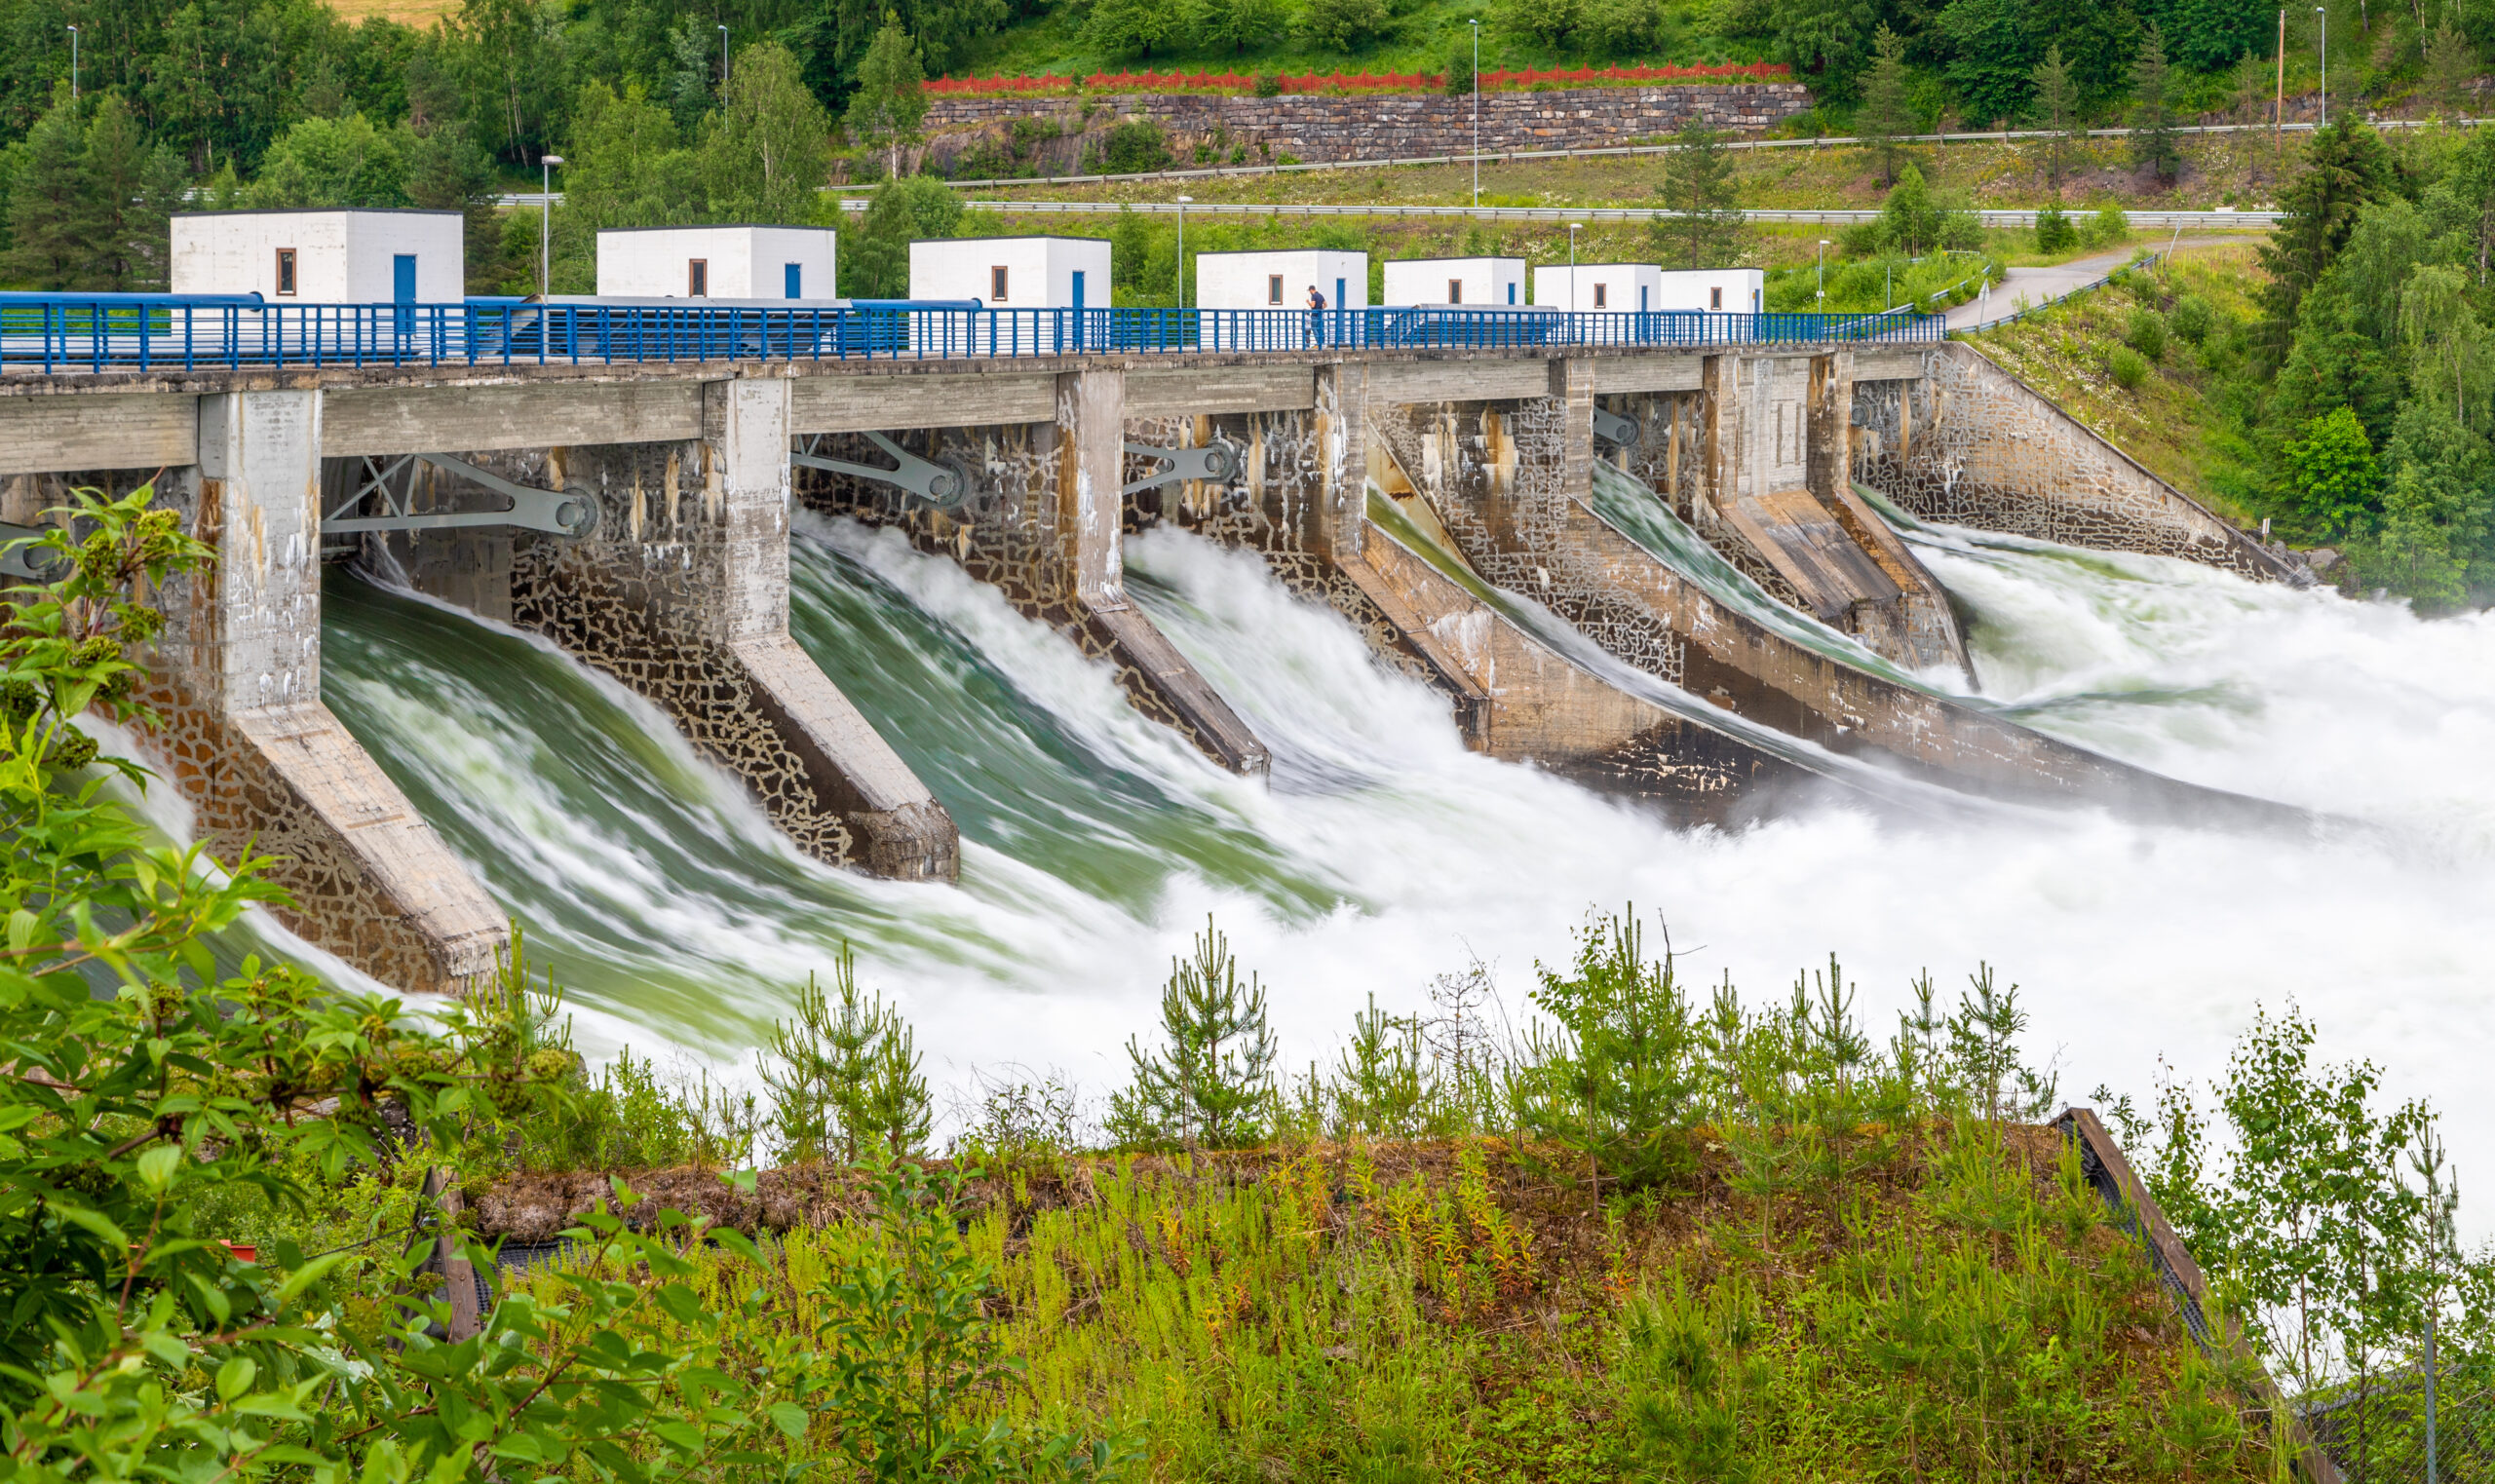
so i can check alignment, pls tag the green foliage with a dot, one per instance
(844, 1077)
(1460, 76)
(2154, 142)
(1699, 185)
(1612, 1076)
(2054, 231)
(2331, 472)
(891, 101)
(1344, 25)
(2105, 227)
(1211, 1083)
(765, 153)
(1134, 146)
(2191, 319)
(88, 201)
(2056, 108)
(875, 259)
(1886, 116)
(2145, 333)
(1268, 85)
(2127, 367)
(344, 161)
(2346, 168)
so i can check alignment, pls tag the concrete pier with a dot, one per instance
(246, 739)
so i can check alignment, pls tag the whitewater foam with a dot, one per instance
(1384, 852)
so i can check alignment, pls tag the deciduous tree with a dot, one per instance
(766, 154)
(890, 98)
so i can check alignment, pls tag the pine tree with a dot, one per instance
(2449, 68)
(1213, 1083)
(1886, 117)
(2058, 110)
(1698, 185)
(891, 97)
(844, 1075)
(132, 189)
(2152, 138)
(51, 209)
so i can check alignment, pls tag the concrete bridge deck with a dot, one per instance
(669, 567)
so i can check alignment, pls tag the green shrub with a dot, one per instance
(1344, 25)
(2105, 227)
(1133, 147)
(2127, 368)
(1460, 81)
(2191, 319)
(1268, 85)
(2055, 232)
(2145, 333)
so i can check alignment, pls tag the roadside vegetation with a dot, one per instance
(1647, 1231)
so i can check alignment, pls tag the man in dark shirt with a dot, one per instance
(1316, 316)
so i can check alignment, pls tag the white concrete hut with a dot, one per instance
(1591, 288)
(1728, 291)
(1013, 272)
(1467, 282)
(323, 257)
(742, 261)
(1281, 279)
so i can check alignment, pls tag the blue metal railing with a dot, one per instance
(60, 332)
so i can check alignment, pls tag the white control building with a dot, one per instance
(1281, 279)
(1013, 272)
(1728, 291)
(1587, 289)
(744, 261)
(1467, 282)
(323, 257)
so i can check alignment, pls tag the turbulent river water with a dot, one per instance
(1383, 854)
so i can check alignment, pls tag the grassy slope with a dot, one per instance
(2168, 422)
(1934, 1307)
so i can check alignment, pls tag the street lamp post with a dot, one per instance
(73, 65)
(723, 59)
(2324, 45)
(1574, 228)
(1824, 275)
(1477, 118)
(545, 224)
(1182, 249)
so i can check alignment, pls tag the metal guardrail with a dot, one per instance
(64, 336)
(2019, 216)
(2137, 1212)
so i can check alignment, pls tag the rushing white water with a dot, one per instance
(1383, 854)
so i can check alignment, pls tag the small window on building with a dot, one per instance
(1602, 295)
(1455, 290)
(696, 278)
(996, 278)
(1273, 288)
(1716, 299)
(286, 269)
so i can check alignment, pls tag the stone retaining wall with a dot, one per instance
(1322, 127)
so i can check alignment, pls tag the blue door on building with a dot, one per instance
(1078, 306)
(792, 280)
(402, 289)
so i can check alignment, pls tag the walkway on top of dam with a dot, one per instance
(51, 334)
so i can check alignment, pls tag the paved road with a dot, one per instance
(2043, 286)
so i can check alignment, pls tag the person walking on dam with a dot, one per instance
(1316, 318)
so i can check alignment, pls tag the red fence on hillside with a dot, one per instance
(1360, 81)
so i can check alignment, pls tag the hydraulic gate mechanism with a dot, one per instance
(1613, 429)
(571, 511)
(1215, 463)
(26, 561)
(934, 484)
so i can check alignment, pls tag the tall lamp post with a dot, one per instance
(1574, 308)
(723, 59)
(545, 224)
(1182, 249)
(1824, 275)
(73, 67)
(1477, 118)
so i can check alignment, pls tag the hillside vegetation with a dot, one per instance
(2174, 409)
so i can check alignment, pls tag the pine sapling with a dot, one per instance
(1211, 1084)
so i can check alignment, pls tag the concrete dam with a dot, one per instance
(1677, 574)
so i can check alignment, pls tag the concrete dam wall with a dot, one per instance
(1500, 526)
